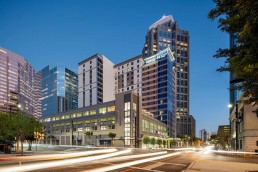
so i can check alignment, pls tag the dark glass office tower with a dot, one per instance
(158, 88)
(59, 90)
(166, 33)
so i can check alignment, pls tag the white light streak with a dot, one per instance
(235, 152)
(183, 149)
(69, 155)
(114, 167)
(122, 158)
(57, 163)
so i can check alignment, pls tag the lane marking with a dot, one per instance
(176, 164)
(118, 166)
(149, 167)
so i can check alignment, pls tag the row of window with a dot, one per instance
(150, 127)
(128, 65)
(80, 114)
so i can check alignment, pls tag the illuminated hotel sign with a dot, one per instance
(154, 58)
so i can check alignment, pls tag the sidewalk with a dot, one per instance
(221, 166)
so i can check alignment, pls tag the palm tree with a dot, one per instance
(112, 136)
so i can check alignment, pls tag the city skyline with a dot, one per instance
(202, 106)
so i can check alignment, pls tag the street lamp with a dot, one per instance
(230, 106)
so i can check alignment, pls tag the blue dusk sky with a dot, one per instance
(65, 32)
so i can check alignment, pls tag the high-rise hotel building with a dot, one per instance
(166, 33)
(19, 84)
(59, 90)
(158, 88)
(96, 81)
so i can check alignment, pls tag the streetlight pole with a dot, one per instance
(236, 126)
(72, 132)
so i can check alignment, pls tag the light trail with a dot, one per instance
(58, 163)
(118, 166)
(183, 149)
(122, 158)
(66, 155)
(234, 152)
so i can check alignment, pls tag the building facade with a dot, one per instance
(96, 81)
(185, 126)
(158, 88)
(243, 125)
(204, 135)
(122, 116)
(59, 90)
(166, 33)
(128, 75)
(19, 84)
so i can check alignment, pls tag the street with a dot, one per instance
(133, 160)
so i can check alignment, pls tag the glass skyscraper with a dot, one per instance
(19, 84)
(158, 88)
(165, 33)
(59, 90)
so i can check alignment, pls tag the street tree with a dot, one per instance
(18, 125)
(159, 142)
(146, 140)
(112, 136)
(239, 18)
(153, 141)
(223, 139)
(164, 142)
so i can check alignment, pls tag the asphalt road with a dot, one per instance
(121, 160)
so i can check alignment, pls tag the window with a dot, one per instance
(111, 108)
(103, 120)
(79, 114)
(86, 113)
(92, 112)
(103, 127)
(87, 122)
(111, 120)
(94, 128)
(102, 110)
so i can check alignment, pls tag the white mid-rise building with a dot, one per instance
(128, 75)
(96, 81)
